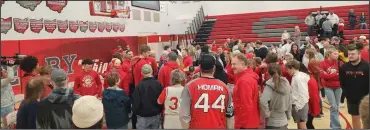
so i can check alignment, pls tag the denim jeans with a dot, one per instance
(333, 95)
(327, 34)
(6, 110)
(363, 25)
(309, 30)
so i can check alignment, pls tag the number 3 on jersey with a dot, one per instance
(215, 105)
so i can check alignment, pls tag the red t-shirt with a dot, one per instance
(365, 55)
(47, 88)
(209, 99)
(88, 83)
(164, 76)
(124, 82)
(138, 66)
(188, 61)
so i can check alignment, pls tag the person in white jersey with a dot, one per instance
(170, 97)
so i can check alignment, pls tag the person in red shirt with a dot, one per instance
(330, 80)
(30, 67)
(164, 76)
(124, 81)
(45, 72)
(365, 52)
(139, 61)
(313, 91)
(126, 62)
(213, 46)
(187, 60)
(245, 94)
(88, 81)
(118, 49)
(204, 100)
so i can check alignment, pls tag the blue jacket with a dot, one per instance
(26, 116)
(117, 106)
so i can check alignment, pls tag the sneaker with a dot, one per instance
(341, 105)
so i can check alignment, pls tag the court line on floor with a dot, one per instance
(348, 125)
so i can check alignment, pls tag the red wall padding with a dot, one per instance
(94, 48)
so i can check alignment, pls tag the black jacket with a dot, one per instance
(117, 106)
(55, 111)
(145, 97)
(355, 80)
(362, 19)
(261, 52)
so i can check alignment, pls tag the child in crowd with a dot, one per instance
(117, 104)
(170, 98)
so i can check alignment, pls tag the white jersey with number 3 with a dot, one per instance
(172, 105)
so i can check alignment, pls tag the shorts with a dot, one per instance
(300, 115)
(353, 108)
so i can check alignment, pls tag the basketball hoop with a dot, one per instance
(123, 13)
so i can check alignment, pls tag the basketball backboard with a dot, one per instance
(108, 8)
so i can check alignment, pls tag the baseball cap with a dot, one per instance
(87, 111)
(146, 69)
(58, 76)
(207, 62)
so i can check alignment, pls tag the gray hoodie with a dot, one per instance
(276, 104)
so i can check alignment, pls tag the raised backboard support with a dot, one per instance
(108, 8)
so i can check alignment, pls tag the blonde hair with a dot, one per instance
(330, 50)
(242, 57)
(45, 70)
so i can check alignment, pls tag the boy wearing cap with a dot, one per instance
(144, 98)
(88, 81)
(54, 111)
(204, 100)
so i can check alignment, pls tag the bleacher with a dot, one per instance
(268, 26)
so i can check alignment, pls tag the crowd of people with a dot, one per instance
(328, 25)
(234, 85)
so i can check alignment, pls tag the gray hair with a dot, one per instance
(177, 77)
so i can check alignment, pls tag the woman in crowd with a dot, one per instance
(168, 96)
(313, 90)
(276, 99)
(294, 50)
(363, 23)
(26, 116)
(352, 19)
(297, 36)
(330, 80)
(45, 71)
(88, 112)
(228, 69)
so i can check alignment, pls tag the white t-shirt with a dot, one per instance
(286, 48)
(285, 36)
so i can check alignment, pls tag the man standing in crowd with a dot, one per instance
(126, 63)
(164, 76)
(204, 100)
(30, 65)
(260, 50)
(309, 21)
(354, 77)
(327, 27)
(140, 61)
(118, 49)
(88, 81)
(188, 59)
(299, 93)
(245, 94)
(144, 98)
(55, 111)
(334, 19)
